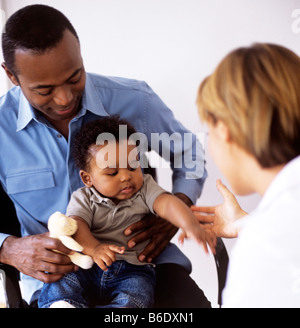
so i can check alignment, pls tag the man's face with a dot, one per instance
(53, 82)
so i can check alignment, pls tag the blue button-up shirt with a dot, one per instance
(37, 169)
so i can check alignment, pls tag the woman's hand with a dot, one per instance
(222, 217)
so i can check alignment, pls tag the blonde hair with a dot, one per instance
(255, 91)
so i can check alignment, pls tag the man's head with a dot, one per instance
(42, 55)
(35, 28)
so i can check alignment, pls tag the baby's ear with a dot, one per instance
(86, 178)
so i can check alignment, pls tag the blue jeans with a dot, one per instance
(123, 285)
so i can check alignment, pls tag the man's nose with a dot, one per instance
(63, 96)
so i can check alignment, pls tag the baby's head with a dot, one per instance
(110, 166)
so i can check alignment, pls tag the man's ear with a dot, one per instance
(10, 75)
(86, 178)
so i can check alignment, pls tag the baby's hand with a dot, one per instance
(201, 236)
(104, 255)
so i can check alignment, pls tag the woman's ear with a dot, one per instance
(10, 75)
(86, 178)
(222, 131)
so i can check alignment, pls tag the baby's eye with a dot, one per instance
(134, 165)
(113, 173)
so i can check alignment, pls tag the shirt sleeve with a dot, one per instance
(3, 236)
(79, 205)
(177, 145)
(150, 191)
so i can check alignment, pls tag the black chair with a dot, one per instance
(8, 274)
(222, 261)
(11, 276)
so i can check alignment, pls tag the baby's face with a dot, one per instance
(115, 170)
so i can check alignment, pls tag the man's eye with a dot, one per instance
(75, 82)
(44, 94)
(76, 79)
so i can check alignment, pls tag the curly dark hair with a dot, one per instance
(88, 136)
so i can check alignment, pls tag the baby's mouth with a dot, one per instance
(127, 190)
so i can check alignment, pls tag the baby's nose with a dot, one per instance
(125, 176)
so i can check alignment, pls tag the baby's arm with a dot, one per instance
(174, 210)
(103, 254)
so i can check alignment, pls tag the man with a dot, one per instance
(53, 98)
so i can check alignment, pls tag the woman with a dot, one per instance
(251, 104)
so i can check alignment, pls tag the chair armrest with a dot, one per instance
(222, 261)
(10, 279)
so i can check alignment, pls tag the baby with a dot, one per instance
(116, 194)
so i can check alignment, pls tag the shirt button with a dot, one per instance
(59, 136)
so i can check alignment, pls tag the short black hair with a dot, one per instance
(88, 134)
(36, 28)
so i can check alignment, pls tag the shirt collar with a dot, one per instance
(97, 198)
(26, 113)
(284, 180)
(90, 102)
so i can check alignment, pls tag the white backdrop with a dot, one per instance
(173, 45)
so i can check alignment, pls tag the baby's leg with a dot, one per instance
(132, 287)
(67, 292)
(62, 305)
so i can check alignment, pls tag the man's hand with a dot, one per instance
(35, 256)
(159, 231)
(222, 217)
